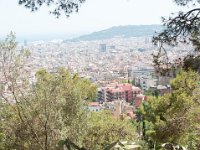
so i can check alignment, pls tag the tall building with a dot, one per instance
(102, 48)
(118, 91)
(25, 43)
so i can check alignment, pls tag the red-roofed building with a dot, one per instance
(118, 91)
(139, 99)
(94, 106)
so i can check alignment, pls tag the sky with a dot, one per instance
(94, 15)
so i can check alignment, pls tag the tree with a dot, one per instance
(53, 110)
(173, 117)
(12, 62)
(11, 82)
(60, 6)
(191, 62)
(38, 116)
(180, 28)
(103, 130)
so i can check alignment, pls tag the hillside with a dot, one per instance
(121, 31)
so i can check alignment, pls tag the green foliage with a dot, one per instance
(124, 81)
(12, 68)
(151, 93)
(192, 62)
(54, 109)
(65, 6)
(186, 2)
(103, 129)
(69, 145)
(181, 27)
(173, 117)
(38, 116)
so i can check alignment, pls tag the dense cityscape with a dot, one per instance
(117, 65)
(108, 76)
(104, 61)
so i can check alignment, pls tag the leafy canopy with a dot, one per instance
(60, 6)
(173, 117)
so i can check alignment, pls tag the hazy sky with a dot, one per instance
(94, 15)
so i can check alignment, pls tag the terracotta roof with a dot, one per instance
(94, 104)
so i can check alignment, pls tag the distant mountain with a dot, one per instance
(122, 31)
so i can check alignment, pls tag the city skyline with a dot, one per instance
(94, 15)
